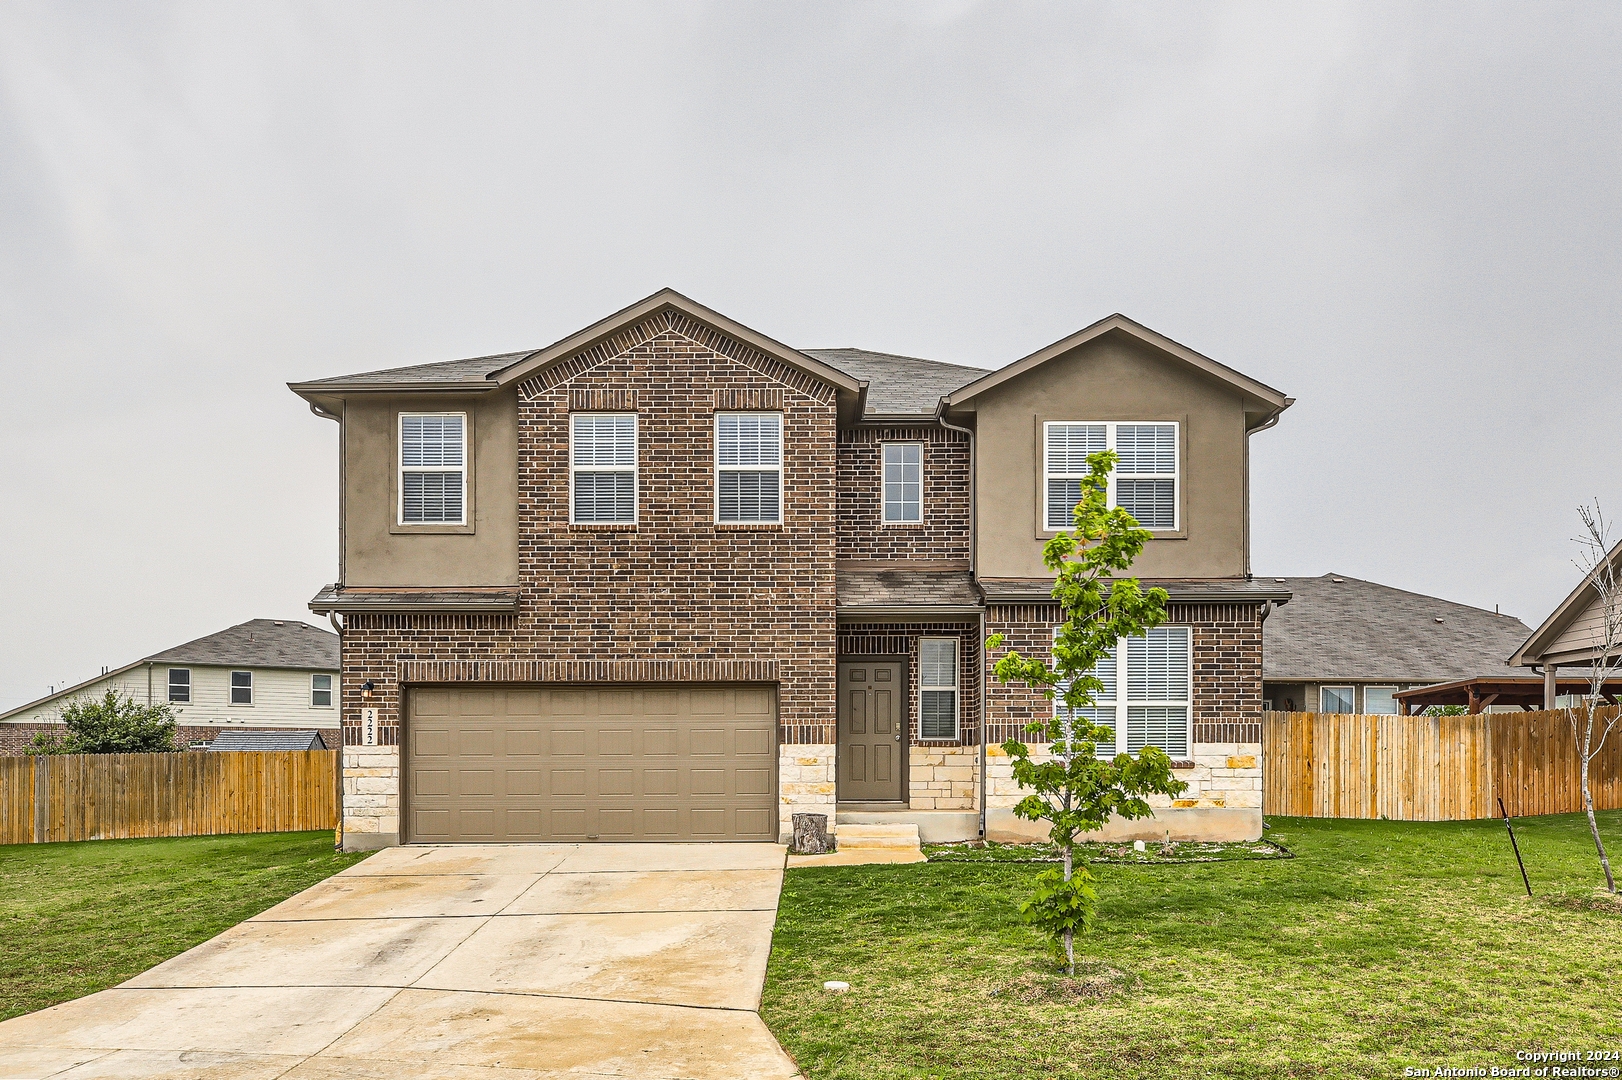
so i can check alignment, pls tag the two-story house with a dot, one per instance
(669, 579)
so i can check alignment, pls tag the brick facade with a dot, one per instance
(944, 532)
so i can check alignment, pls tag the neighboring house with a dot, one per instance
(1346, 645)
(671, 579)
(265, 673)
(1569, 640)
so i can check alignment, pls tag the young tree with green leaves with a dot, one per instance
(1072, 788)
(111, 724)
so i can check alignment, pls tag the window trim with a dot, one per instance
(169, 683)
(330, 688)
(1397, 705)
(782, 455)
(231, 688)
(400, 523)
(956, 688)
(635, 469)
(1043, 423)
(884, 501)
(1123, 702)
(1351, 692)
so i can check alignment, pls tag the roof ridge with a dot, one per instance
(1410, 592)
(896, 356)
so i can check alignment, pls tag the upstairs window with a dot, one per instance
(180, 685)
(1152, 705)
(433, 464)
(320, 691)
(242, 688)
(1144, 482)
(602, 468)
(937, 688)
(749, 468)
(903, 465)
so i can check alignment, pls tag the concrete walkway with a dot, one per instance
(533, 962)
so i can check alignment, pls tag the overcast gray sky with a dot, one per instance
(1404, 215)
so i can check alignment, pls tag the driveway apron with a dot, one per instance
(474, 962)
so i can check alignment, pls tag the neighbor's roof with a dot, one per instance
(264, 643)
(268, 740)
(257, 643)
(898, 385)
(1339, 627)
(1580, 606)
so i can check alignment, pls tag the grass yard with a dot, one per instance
(77, 918)
(1380, 946)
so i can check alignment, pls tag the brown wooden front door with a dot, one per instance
(872, 743)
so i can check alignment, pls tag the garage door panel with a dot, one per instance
(626, 763)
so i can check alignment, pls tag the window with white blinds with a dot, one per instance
(937, 688)
(1143, 483)
(602, 468)
(903, 483)
(1156, 706)
(749, 468)
(433, 468)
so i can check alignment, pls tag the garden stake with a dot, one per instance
(1527, 881)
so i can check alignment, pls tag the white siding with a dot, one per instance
(281, 698)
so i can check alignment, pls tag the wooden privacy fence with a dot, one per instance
(1431, 768)
(121, 796)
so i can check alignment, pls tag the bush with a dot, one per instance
(112, 724)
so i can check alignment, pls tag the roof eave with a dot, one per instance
(74, 689)
(878, 613)
(652, 305)
(1277, 399)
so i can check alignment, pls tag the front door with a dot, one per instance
(871, 746)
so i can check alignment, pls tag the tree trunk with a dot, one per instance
(1070, 935)
(1593, 825)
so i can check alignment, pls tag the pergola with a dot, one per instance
(1478, 693)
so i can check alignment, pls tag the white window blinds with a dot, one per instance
(433, 450)
(1144, 482)
(749, 468)
(937, 688)
(1156, 707)
(602, 468)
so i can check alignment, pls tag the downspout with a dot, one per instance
(974, 563)
(332, 617)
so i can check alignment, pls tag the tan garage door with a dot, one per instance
(529, 763)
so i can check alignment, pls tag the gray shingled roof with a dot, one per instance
(1040, 590)
(1339, 627)
(473, 369)
(266, 643)
(863, 588)
(898, 385)
(268, 740)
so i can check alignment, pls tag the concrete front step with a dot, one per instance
(934, 826)
(869, 837)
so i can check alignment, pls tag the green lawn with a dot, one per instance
(77, 918)
(1382, 945)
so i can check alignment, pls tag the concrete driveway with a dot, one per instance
(530, 962)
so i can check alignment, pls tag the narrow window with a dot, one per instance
(602, 468)
(242, 688)
(1340, 699)
(1103, 709)
(180, 685)
(937, 688)
(1144, 482)
(903, 483)
(433, 480)
(320, 691)
(1158, 677)
(1380, 700)
(749, 468)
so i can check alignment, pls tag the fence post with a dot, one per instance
(41, 790)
